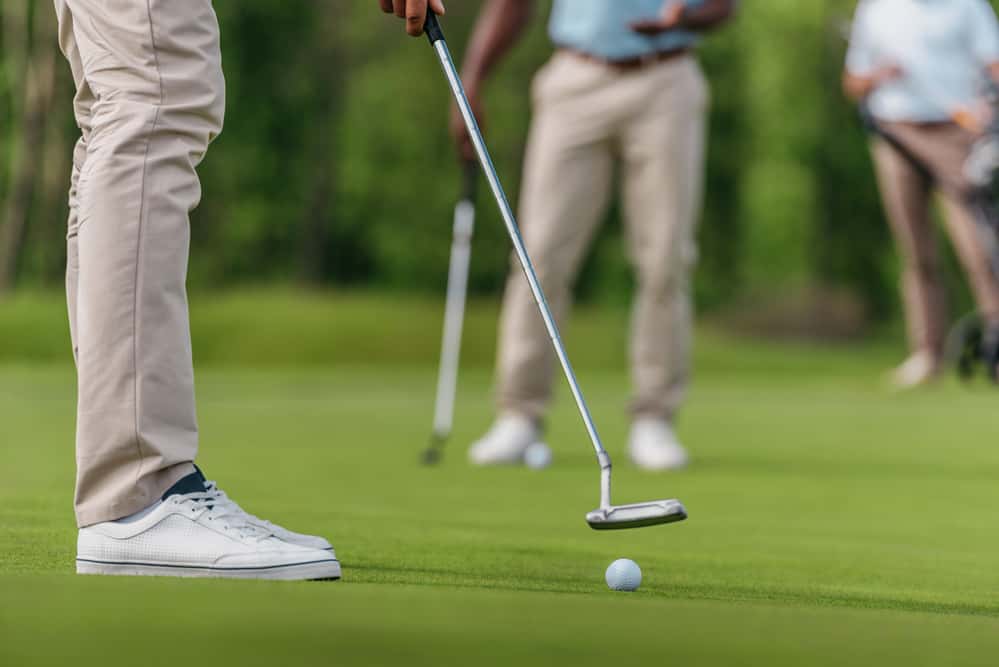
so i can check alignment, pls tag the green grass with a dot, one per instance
(831, 522)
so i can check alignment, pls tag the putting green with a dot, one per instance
(831, 523)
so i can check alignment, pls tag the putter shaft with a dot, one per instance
(458, 90)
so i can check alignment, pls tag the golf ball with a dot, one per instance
(538, 456)
(624, 575)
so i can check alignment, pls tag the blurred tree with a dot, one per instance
(28, 31)
(335, 166)
(849, 244)
(722, 233)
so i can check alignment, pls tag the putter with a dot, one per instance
(454, 316)
(607, 516)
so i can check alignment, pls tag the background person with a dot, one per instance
(624, 86)
(917, 63)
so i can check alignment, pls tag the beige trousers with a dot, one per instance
(150, 98)
(943, 148)
(587, 118)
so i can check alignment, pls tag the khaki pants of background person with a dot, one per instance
(587, 117)
(943, 149)
(150, 98)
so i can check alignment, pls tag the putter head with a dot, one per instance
(636, 515)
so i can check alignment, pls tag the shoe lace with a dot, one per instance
(211, 486)
(221, 508)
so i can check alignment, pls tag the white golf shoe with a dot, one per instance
(280, 532)
(653, 445)
(506, 442)
(919, 369)
(199, 532)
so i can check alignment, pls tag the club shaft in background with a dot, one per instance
(454, 316)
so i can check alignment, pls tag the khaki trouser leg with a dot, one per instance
(905, 193)
(586, 115)
(150, 100)
(663, 154)
(948, 148)
(565, 190)
(83, 110)
(966, 236)
(943, 148)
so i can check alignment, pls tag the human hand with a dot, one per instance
(670, 18)
(886, 73)
(414, 11)
(972, 119)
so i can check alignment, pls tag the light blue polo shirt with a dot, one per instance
(600, 28)
(942, 46)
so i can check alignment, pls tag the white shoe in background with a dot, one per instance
(193, 533)
(506, 442)
(653, 445)
(919, 369)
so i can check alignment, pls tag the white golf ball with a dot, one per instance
(537, 456)
(624, 575)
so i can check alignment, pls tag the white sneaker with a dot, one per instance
(654, 446)
(310, 541)
(506, 442)
(198, 534)
(919, 369)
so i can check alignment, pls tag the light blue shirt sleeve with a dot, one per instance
(984, 32)
(860, 57)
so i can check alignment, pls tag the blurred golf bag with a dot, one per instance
(972, 342)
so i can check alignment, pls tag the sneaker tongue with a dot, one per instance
(193, 483)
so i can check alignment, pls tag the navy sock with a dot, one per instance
(193, 483)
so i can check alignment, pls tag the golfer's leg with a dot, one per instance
(905, 193)
(947, 150)
(663, 150)
(564, 192)
(82, 110)
(72, 245)
(154, 69)
(967, 236)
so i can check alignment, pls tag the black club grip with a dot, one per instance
(433, 28)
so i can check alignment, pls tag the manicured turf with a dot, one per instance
(831, 522)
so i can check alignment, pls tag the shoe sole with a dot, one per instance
(322, 570)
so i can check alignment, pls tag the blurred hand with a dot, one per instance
(859, 86)
(886, 73)
(459, 133)
(414, 11)
(670, 18)
(974, 119)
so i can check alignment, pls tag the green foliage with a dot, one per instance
(335, 167)
(284, 327)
